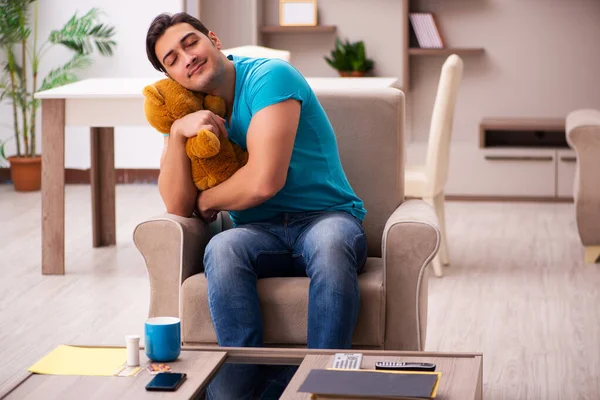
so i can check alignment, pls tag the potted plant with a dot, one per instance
(350, 58)
(19, 79)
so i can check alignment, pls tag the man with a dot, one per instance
(293, 210)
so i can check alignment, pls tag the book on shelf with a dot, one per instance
(426, 31)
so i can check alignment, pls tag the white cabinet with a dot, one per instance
(503, 172)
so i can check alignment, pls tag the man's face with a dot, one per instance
(189, 57)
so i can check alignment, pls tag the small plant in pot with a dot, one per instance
(19, 79)
(350, 58)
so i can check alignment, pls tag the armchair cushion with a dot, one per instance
(284, 305)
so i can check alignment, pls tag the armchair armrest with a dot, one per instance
(173, 250)
(583, 135)
(580, 125)
(411, 239)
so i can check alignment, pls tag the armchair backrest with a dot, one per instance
(369, 126)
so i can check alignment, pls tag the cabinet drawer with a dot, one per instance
(566, 164)
(501, 172)
(519, 173)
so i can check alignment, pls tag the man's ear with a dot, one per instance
(213, 38)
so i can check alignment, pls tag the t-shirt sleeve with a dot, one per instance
(275, 81)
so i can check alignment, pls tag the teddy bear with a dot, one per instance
(213, 158)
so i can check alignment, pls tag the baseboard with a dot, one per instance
(458, 197)
(82, 176)
(454, 197)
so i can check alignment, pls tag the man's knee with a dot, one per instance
(338, 238)
(221, 256)
(220, 244)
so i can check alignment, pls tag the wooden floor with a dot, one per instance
(517, 291)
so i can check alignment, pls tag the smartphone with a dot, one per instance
(166, 381)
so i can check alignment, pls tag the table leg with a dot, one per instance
(479, 388)
(53, 187)
(103, 180)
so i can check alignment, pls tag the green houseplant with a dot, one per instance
(350, 58)
(19, 80)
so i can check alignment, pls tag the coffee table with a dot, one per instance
(200, 367)
(461, 373)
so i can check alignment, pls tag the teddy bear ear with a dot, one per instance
(153, 95)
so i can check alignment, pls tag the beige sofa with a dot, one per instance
(403, 237)
(583, 135)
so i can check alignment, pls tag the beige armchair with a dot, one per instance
(583, 135)
(403, 237)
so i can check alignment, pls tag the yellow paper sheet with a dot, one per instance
(73, 360)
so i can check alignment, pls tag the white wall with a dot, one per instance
(539, 59)
(134, 147)
(377, 22)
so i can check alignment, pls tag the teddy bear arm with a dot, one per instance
(204, 145)
(222, 166)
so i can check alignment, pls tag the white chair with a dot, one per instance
(258, 52)
(428, 181)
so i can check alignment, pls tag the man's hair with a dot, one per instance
(158, 27)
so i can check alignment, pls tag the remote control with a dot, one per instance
(404, 366)
(347, 361)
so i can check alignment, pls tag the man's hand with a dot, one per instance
(191, 124)
(207, 215)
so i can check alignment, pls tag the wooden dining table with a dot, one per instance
(102, 104)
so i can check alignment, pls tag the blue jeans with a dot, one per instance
(328, 247)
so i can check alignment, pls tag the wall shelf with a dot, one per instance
(412, 49)
(523, 133)
(461, 51)
(298, 29)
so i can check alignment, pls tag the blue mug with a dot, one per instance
(163, 338)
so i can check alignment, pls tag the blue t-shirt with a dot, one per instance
(315, 178)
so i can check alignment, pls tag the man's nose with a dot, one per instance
(191, 59)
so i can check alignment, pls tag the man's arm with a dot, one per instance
(175, 183)
(270, 141)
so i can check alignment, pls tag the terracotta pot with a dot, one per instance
(356, 74)
(26, 173)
